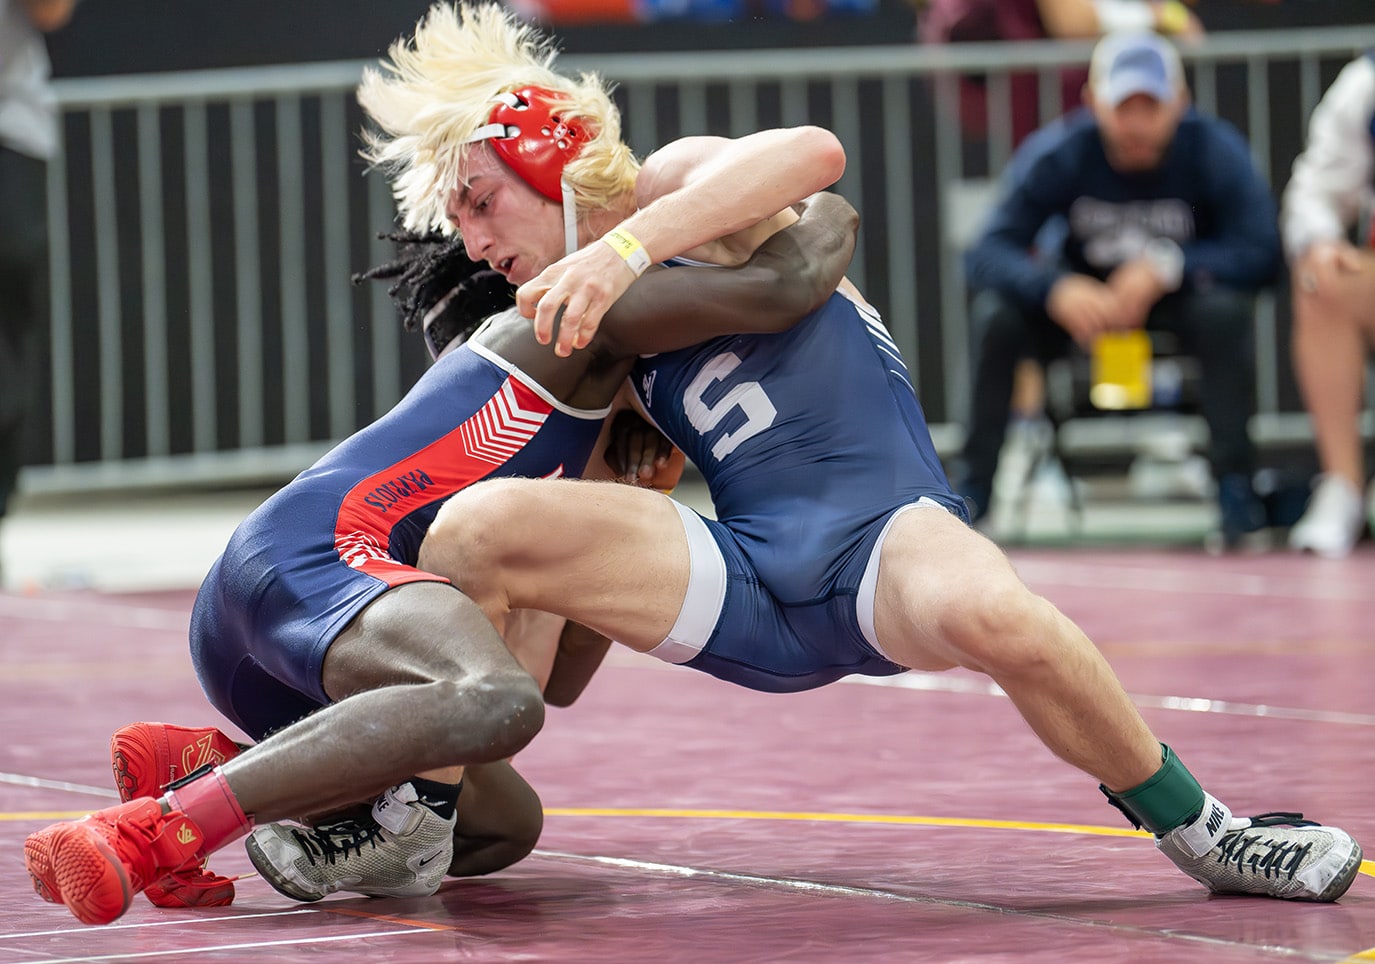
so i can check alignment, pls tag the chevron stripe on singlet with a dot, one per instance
(499, 430)
(488, 439)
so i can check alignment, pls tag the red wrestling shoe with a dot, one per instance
(38, 858)
(148, 756)
(193, 887)
(99, 862)
(145, 758)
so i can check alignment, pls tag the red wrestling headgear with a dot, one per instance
(536, 143)
(534, 140)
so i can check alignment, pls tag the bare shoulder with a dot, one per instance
(673, 165)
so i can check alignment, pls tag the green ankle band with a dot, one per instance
(1170, 798)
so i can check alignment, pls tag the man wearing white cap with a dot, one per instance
(1169, 227)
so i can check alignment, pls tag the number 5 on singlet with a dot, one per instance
(749, 397)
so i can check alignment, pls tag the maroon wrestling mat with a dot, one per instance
(912, 818)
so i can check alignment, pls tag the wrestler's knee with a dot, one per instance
(471, 539)
(522, 823)
(481, 718)
(500, 819)
(1003, 628)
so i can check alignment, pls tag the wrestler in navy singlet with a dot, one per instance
(809, 440)
(349, 528)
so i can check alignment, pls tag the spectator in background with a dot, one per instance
(954, 21)
(957, 21)
(28, 138)
(1334, 300)
(1169, 226)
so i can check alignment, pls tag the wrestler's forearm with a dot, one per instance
(581, 651)
(750, 180)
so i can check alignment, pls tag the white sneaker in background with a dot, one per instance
(1025, 447)
(1333, 522)
(1150, 478)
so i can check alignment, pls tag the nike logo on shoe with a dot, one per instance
(428, 858)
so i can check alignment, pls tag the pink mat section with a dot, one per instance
(690, 820)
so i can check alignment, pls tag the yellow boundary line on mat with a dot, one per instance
(890, 819)
(974, 823)
(1367, 866)
(878, 818)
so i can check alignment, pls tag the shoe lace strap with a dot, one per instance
(330, 841)
(1278, 818)
(174, 844)
(200, 875)
(1258, 853)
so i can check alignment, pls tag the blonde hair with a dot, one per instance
(437, 89)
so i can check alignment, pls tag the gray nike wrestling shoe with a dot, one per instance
(1271, 855)
(402, 850)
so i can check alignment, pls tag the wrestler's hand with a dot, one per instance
(639, 453)
(584, 284)
(667, 473)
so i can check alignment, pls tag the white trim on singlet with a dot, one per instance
(534, 386)
(868, 584)
(692, 262)
(705, 597)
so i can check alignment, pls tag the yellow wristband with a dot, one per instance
(1172, 17)
(629, 248)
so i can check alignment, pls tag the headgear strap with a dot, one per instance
(537, 143)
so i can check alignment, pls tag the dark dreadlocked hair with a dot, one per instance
(433, 268)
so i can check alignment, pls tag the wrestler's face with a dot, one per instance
(1137, 132)
(504, 221)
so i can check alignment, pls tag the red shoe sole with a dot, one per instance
(90, 876)
(38, 860)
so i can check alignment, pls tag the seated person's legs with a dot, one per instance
(1006, 332)
(1217, 326)
(1334, 327)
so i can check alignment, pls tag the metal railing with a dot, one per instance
(204, 226)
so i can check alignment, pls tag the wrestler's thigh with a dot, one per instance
(935, 572)
(414, 634)
(612, 557)
(533, 639)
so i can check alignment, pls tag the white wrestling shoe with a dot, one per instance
(403, 850)
(1272, 855)
(1333, 522)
